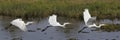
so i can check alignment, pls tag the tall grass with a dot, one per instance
(66, 8)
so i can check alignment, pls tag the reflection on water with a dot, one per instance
(56, 33)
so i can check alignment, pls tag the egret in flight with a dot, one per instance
(89, 21)
(20, 24)
(53, 22)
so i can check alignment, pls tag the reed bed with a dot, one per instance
(109, 9)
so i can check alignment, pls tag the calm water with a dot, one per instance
(56, 33)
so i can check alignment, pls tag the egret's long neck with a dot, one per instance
(64, 25)
(99, 26)
(96, 25)
(28, 23)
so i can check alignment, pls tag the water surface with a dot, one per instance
(57, 33)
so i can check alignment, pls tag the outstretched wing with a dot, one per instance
(20, 24)
(86, 16)
(53, 20)
(91, 21)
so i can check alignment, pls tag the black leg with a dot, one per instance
(82, 29)
(45, 28)
(8, 26)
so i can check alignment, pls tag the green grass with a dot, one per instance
(111, 28)
(66, 8)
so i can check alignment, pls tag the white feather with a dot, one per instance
(53, 21)
(87, 19)
(20, 24)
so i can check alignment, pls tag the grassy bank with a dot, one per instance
(67, 8)
(111, 28)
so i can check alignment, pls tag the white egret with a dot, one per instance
(89, 21)
(53, 22)
(20, 24)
